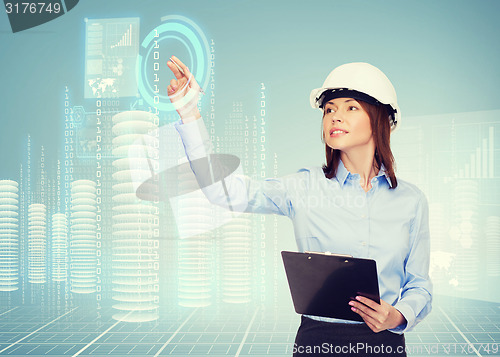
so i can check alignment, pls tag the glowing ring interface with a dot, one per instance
(181, 29)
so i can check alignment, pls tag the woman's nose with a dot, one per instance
(336, 117)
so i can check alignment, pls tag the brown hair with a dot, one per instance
(381, 131)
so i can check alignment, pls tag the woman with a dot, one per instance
(353, 205)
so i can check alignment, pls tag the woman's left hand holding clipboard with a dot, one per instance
(378, 317)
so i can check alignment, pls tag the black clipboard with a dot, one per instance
(322, 284)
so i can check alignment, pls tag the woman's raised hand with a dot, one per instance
(183, 91)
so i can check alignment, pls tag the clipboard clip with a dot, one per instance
(330, 253)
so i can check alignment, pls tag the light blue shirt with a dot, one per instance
(390, 226)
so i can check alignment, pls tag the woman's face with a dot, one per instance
(346, 125)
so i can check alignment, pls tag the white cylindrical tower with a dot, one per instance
(195, 254)
(59, 247)
(9, 235)
(37, 242)
(236, 264)
(135, 222)
(83, 237)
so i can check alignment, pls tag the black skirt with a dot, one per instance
(318, 338)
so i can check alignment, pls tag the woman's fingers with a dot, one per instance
(370, 321)
(174, 84)
(360, 308)
(381, 316)
(187, 74)
(177, 87)
(172, 87)
(368, 302)
(182, 65)
(177, 73)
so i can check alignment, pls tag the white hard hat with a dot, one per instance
(359, 81)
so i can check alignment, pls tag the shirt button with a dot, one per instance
(363, 244)
(363, 216)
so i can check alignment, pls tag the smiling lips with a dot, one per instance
(334, 132)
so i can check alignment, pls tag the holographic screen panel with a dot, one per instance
(111, 48)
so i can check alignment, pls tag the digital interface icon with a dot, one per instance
(111, 48)
(176, 35)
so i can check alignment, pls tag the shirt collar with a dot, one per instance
(343, 174)
(382, 173)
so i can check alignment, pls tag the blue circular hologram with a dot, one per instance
(176, 27)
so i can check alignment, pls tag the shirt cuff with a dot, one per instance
(195, 138)
(408, 314)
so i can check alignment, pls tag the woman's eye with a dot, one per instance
(328, 110)
(353, 108)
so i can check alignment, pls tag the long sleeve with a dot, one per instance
(236, 191)
(416, 294)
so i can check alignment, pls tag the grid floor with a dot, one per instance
(455, 327)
